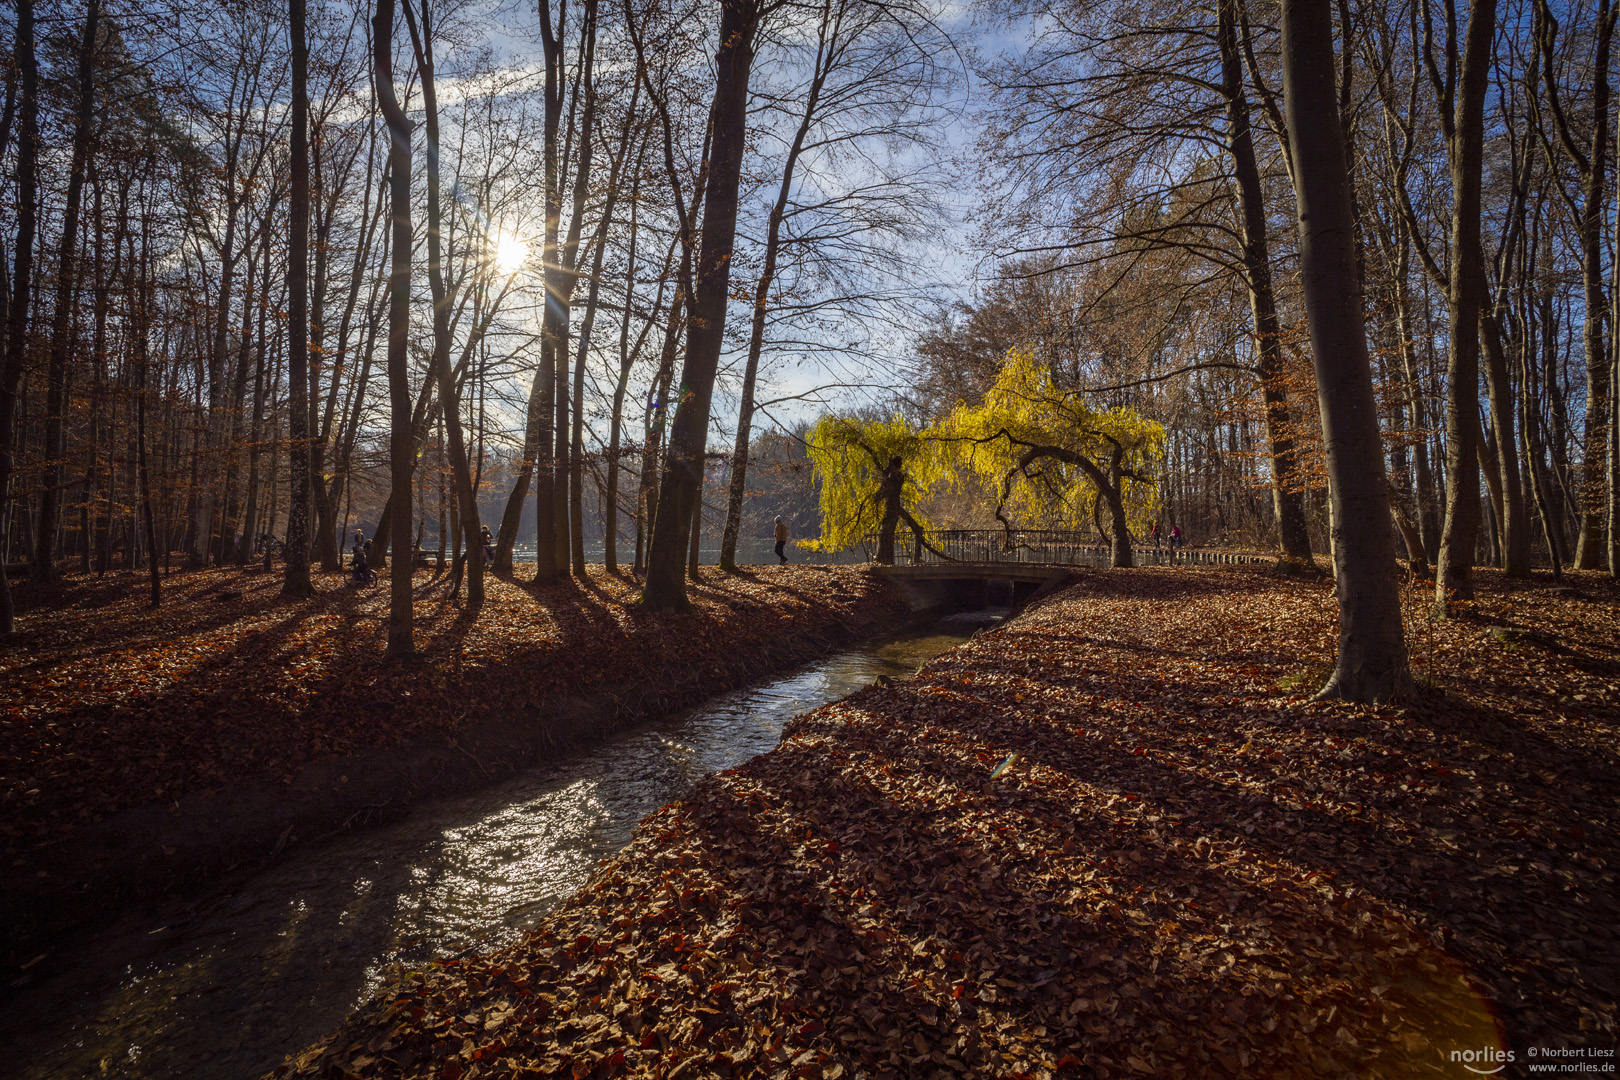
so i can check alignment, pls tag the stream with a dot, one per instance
(225, 985)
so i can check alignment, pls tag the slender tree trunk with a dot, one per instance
(1490, 471)
(1530, 437)
(401, 443)
(1425, 518)
(658, 413)
(100, 405)
(610, 509)
(1513, 514)
(576, 446)
(1591, 166)
(48, 530)
(296, 581)
(250, 518)
(762, 296)
(683, 467)
(1286, 491)
(18, 302)
(512, 518)
(694, 548)
(1454, 576)
(1372, 662)
(576, 452)
(449, 399)
(1614, 396)
(323, 489)
(138, 283)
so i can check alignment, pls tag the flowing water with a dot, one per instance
(224, 986)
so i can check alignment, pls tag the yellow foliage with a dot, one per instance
(849, 457)
(1021, 410)
(1025, 409)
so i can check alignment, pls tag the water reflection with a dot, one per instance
(225, 985)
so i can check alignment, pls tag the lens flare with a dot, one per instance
(510, 253)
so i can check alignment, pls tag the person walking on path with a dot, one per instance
(781, 539)
(1153, 534)
(1175, 538)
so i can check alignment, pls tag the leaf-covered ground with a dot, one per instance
(1188, 870)
(106, 704)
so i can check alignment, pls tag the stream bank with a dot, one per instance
(223, 985)
(1113, 838)
(283, 726)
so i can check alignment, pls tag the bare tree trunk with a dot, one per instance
(657, 418)
(449, 399)
(1425, 518)
(18, 302)
(261, 387)
(1614, 398)
(610, 509)
(50, 502)
(1372, 662)
(1591, 165)
(762, 297)
(401, 443)
(694, 549)
(1286, 493)
(138, 284)
(1464, 122)
(576, 452)
(93, 527)
(1513, 514)
(296, 579)
(683, 468)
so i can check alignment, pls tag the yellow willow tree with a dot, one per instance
(872, 475)
(1053, 459)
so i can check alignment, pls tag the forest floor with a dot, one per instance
(1187, 870)
(108, 705)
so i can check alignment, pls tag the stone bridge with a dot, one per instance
(963, 585)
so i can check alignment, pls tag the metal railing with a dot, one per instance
(1046, 547)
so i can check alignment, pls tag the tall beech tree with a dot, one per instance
(680, 484)
(43, 568)
(19, 291)
(1372, 661)
(402, 435)
(1286, 495)
(296, 580)
(1460, 86)
(1587, 151)
(449, 391)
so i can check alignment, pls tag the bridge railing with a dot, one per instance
(1048, 547)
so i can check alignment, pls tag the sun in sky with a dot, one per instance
(510, 252)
